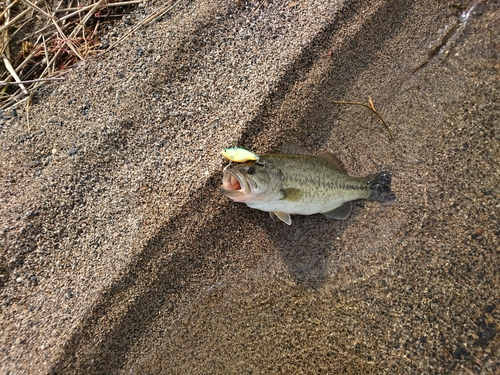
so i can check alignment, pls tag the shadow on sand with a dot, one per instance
(174, 256)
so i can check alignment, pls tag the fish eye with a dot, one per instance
(250, 170)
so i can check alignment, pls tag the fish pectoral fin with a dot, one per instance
(342, 212)
(334, 161)
(291, 194)
(283, 216)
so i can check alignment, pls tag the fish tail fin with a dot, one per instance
(380, 187)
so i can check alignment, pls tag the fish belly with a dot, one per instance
(305, 206)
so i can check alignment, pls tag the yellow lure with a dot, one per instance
(239, 155)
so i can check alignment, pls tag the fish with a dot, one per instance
(239, 155)
(299, 183)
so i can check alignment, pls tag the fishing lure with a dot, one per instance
(239, 155)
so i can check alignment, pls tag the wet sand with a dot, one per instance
(118, 254)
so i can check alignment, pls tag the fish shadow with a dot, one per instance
(309, 247)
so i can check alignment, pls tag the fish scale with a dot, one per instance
(318, 178)
(303, 184)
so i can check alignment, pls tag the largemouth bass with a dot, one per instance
(302, 184)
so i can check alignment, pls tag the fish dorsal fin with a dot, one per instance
(292, 194)
(342, 212)
(293, 149)
(334, 161)
(283, 216)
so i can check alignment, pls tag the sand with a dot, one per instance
(119, 255)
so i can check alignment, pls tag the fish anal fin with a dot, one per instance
(292, 194)
(342, 212)
(334, 161)
(293, 149)
(283, 216)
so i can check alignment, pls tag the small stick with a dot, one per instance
(124, 3)
(13, 73)
(20, 15)
(5, 43)
(8, 7)
(14, 101)
(96, 28)
(66, 17)
(20, 27)
(36, 7)
(58, 6)
(63, 36)
(66, 39)
(86, 47)
(31, 81)
(76, 30)
(371, 107)
(49, 64)
(45, 50)
(28, 114)
(78, 10)
(5, 46)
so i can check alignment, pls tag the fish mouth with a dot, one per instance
(235, 186)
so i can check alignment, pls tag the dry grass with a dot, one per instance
(371, 107)
(40, 41)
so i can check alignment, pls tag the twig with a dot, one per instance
(5, 43)
(78, 10)
(87, 48)
(371, 107)
(83, 9)
(14, 101)
(58, 6)
(31, 81)
(7, 8)
(96, 27)
(36, 7)
(20, 15)
(49, 64)
(28, 113)
(66, 40)
(85, 19)
(18, 28)
(124, 3)
(13, 73)
(45, 50)
(63, 36)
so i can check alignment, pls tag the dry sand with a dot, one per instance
(119, 255)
